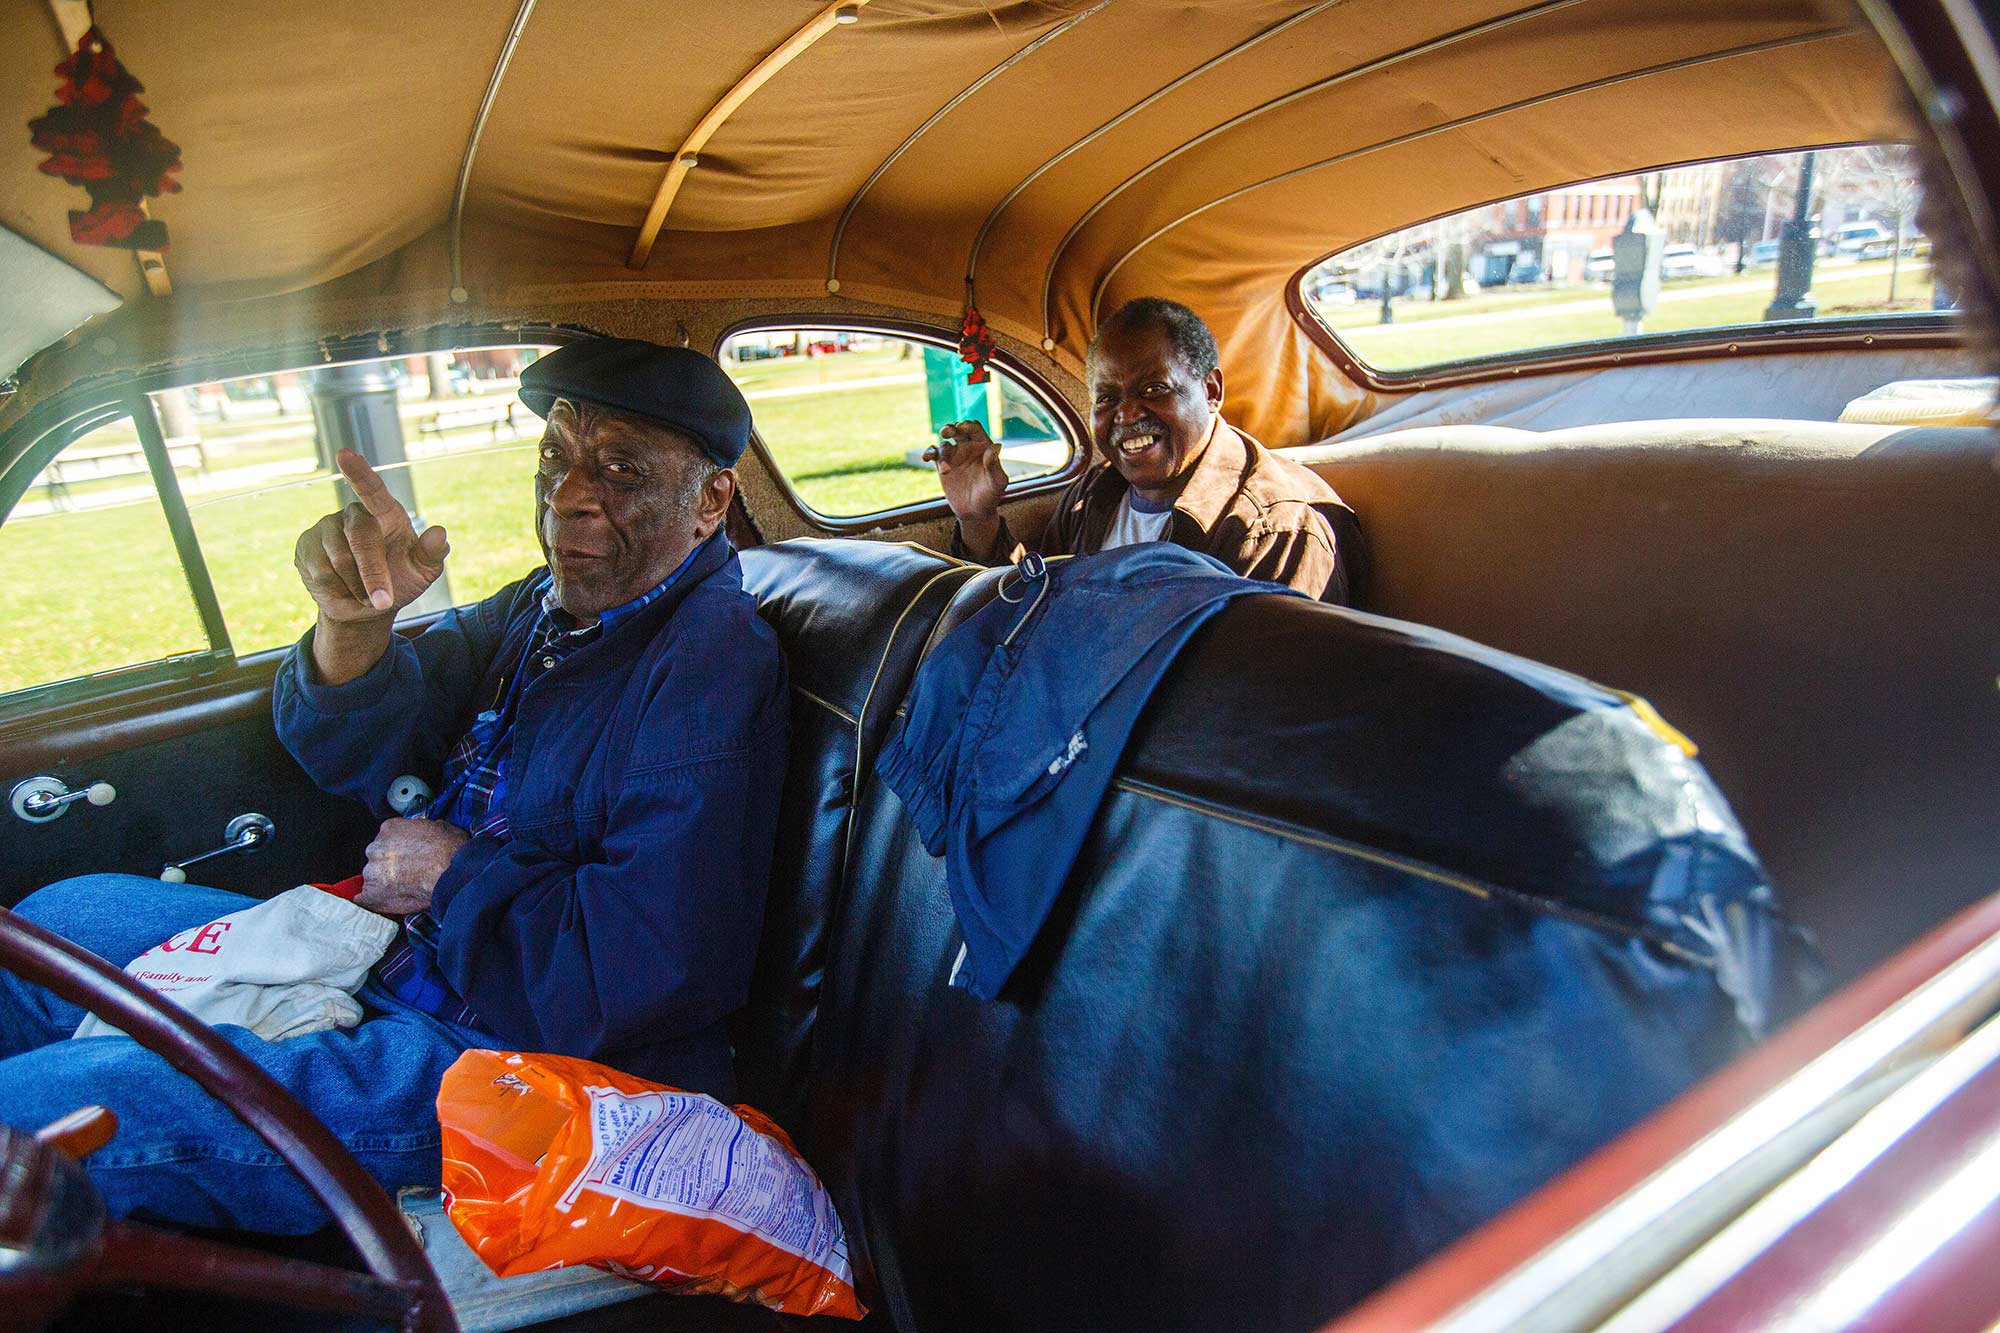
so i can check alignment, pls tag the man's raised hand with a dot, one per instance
(368, 561)
(968, 465)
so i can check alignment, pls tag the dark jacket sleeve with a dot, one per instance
(402, 714)
(1059, 537)
(654, 935)
(1003, 543)
(1293, 545)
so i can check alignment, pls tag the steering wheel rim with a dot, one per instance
(360, 1208)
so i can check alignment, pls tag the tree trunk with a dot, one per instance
(177, 421)
(1895, 258)
(1454, 272)
(438, 367)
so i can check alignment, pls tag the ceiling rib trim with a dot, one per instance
(847, 214)
(1353, 72)
(1283, 25)
(458, 292)
(837, 14)
(1461, 122)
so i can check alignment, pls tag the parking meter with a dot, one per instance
(1635, 274)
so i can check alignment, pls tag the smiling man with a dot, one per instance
(1170, 468)
(606, 738)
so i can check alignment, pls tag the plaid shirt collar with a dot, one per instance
(474, 790)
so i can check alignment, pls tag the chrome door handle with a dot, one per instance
(42, 798)
(245, 833)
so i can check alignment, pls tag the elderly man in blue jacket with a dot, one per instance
(607, 741)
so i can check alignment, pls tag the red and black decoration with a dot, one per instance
(975, 346)
(99, 138)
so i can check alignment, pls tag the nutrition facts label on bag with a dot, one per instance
(694, 1156)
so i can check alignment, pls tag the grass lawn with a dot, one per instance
(1406, 344)
(66, 617)
(843, 452)
(1368, 314)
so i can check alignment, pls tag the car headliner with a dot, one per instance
(1204, 152)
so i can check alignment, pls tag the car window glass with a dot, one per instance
(89, 578)
(1543, 271)
(445, 431)
(846, 415)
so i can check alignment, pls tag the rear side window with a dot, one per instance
(846, 414)
(1542, 271)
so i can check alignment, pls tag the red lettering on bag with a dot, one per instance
(209, 936)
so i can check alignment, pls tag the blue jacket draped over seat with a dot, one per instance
(1017, 720)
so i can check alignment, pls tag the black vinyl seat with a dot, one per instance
(853, 618)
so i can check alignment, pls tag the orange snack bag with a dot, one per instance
(551, 1161)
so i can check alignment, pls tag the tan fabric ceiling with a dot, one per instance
(322, 146)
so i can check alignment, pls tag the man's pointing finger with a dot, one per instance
(364, 539)
(368, 485)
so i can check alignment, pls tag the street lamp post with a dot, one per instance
(1795, 255)
(354, 407)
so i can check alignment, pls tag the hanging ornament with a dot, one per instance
(975, 346)
(99, 139)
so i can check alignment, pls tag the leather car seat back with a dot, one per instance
(853, 618)
(1813, 604)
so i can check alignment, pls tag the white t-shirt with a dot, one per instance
(1137, 522)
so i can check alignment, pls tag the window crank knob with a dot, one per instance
(408, 795)
(43, 798)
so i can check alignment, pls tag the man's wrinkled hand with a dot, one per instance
(368, 561)
(968, 466)
(405, 862)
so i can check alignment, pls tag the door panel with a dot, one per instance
(183, 768)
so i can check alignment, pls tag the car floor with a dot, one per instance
(118, 1309)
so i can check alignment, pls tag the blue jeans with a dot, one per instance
(180, 1155)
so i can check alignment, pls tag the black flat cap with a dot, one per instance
(675, 386)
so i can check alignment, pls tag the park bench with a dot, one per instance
(493, 416)
(110, 461)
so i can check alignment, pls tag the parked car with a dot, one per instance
(1679, 261)
(1192, 1107)
(1855, 237)
(1764, 252)
(1334, 294)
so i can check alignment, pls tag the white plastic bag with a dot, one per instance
(283, 968)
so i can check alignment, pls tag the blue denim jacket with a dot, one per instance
(617, 915)
(1017, 719)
